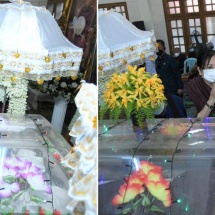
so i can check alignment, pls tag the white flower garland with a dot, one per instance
(82, 160)
(16, 91)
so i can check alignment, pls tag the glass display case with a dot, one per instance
(32, 180)
(167, 167)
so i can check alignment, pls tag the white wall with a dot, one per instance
(149, 11)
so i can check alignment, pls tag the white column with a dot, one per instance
(59, 113)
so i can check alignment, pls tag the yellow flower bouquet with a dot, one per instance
(133, 92)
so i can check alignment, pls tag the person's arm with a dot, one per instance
(205, 112)
(175, 69)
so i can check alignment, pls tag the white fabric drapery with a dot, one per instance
(32, 45)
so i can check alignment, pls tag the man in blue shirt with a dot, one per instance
(168, 70)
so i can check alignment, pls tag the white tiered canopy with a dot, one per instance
(32, 45)
(120, 43)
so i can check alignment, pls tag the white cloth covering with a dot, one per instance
(31, 38)
(120, 41)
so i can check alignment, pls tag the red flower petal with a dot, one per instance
(56, 212)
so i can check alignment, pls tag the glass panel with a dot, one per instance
(208, 8)
(191, 30)
(207, 1)
(180, 32)
(195, 2)
(190, 9)
(210, 25)
(171, 4)
(173, 23)
(210, 37)
(196, 9)
(182, 48)
(213, 7)
(172, 11)
(174, 32)
(199, 30)
(175, 41)
(197, 22)
(189, 2)
(178, 10)
(181, 40)
(191, 22)
(213, 1)
(177, 3)
(117, 9)
(179, 23)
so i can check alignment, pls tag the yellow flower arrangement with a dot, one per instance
(134, 92)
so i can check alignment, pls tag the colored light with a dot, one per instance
(186, 209)
(179, 201)
(165, 161)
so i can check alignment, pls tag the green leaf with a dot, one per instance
(9, 179)
(127, 210)
(17, 195)
(137, 203)
(5, 201)
(145, 200)
(48, 213)
(21, 180)
(157, 209)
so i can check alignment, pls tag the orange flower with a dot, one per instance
(158, 190)
(146, 166)
(154, 175)
(127, 193)
(136, 178)
(173, 129)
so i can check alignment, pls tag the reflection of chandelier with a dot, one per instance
(32, 45)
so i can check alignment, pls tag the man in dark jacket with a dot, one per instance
(168, 70)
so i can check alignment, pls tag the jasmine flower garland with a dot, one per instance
(16, 90)
(60, 86)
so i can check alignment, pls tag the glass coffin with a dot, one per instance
(32, 180)
(166, 168)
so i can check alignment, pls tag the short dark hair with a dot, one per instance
(204, 58)
(162, 43)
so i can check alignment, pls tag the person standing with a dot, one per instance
(168, 70)
(180, 57)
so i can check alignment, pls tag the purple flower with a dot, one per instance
(8, 189)
(16, 163)
(30, 169)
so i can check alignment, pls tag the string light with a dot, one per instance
(179, 201)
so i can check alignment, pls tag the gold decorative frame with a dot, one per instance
(64, 19)
(89, 59)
